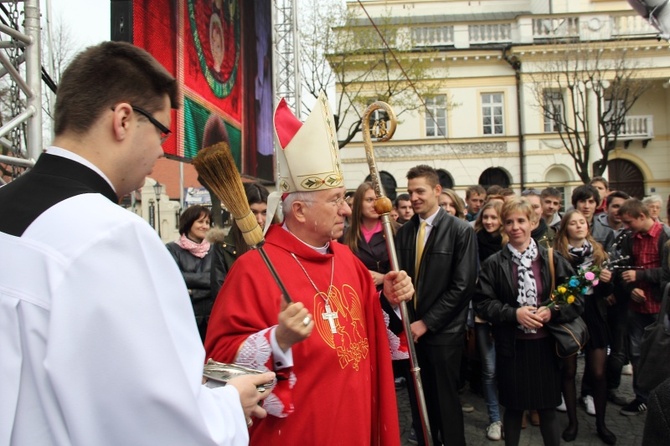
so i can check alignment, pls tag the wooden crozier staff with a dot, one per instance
(383, 207)
(216, 168)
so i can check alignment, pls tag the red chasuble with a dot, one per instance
(340, 389)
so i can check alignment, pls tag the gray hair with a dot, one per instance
(287, 204)
(652, 199)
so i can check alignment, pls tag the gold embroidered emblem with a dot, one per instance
(350, 340)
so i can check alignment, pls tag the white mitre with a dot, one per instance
(308, 155)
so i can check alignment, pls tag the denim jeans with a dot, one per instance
(488, 354)
(636, 324)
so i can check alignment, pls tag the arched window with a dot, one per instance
(388, 183)
(558, 177)
(446, 180)
(494, 175)
(626, 176)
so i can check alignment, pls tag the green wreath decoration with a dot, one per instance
(221, 89)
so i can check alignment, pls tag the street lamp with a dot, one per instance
(152, 213)
(158, 190)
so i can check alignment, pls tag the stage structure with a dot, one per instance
(221, 52)
(21, 129)
(233, 57)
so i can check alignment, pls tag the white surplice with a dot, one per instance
(98, 342)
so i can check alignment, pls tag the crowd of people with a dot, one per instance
(106, 343)
(502, 250)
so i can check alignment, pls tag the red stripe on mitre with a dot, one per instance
(286, 124)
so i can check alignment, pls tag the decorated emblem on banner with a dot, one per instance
(215, 27)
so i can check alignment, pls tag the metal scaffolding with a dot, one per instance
(21, 129)
(20, 59)
(286, 53)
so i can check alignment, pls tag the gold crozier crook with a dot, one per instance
(383, 206)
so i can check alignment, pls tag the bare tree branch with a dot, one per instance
(583, 70)
(344, 51)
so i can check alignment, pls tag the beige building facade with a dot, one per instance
(490, 59)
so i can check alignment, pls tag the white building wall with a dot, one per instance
(465, 153)
(428, 7)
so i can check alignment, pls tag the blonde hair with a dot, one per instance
(518, 205)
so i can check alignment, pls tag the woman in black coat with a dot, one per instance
(192, 252)
(513, 290)
(365, 235)
(574, 242)
(490, 240)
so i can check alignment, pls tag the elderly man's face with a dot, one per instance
(326, 214)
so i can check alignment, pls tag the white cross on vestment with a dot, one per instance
(330, 316)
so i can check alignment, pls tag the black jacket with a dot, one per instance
(195, 271)
(495, 298)
(657, 424)
(374, 254)
(447, 277)
(543, 234)
(600, 292)
(223, 253)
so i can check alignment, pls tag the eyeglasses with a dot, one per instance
(165, 132)
(337, 202)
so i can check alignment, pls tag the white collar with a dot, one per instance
(320, 249)
(430, 219)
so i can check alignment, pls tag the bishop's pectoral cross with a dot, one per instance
(330, 316)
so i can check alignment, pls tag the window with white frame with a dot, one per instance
(553, 111)
(436, 116)
(492, 114)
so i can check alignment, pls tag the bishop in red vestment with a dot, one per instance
(340, 388)
(329, 347)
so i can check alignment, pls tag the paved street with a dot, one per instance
(627, 429)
